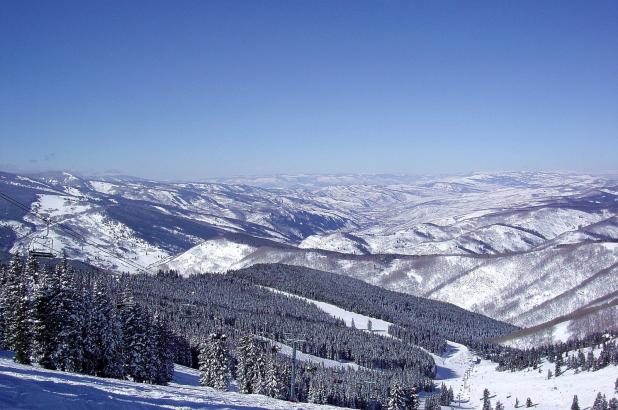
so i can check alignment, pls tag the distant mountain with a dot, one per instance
(517, 246)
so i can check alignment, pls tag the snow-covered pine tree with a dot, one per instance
(164, 359)
(32, 273)
(444, 396)
(259, 371)
(109, 359)
(413, 402)
(45, 324)
(613, 404)
(21, 324)
(486, 401)
(274, 384)
(528, 402)
(432, 403)
(600, 402)
(396, 398)
(10, 299)
(69, 355)
(315, 391)
(244, 364)
(559, 363)
(499, 405)
(214, 362)
(136, 344)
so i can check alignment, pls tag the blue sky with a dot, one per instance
(196, 89)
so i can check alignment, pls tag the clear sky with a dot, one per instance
(197, 89)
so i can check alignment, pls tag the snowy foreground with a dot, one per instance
(27, 387)
(553, 394)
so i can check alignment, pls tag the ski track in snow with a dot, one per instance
(360, 321)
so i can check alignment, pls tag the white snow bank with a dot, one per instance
(27, 387)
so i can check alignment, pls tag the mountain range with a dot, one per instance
(522, 247)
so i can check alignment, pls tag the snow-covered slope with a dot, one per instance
(553, 394)
(218, 255)
(27, 387)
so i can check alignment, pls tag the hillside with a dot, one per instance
(27, 387)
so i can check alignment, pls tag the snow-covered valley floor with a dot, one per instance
(28, 387)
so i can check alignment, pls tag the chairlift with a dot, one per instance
(42, 246)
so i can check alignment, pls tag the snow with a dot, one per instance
(54, 206)
(103, 187)
(553, 394)
(218, 255)
(360, 321)
(305, 357)
(336, 242)
(27, 387)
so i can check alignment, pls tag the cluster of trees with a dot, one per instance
(259, 368)
(63, 320)
(418, 321)
(499, 406)
(201, 309)
(565, 355)
(600, 403)
(194, 306)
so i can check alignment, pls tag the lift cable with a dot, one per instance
(72, 232)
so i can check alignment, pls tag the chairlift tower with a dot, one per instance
(293, 341)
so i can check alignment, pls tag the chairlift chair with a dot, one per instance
(42, 246)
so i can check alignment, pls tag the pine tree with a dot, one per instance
(600, 403)
(528, 402)
(21, 325)
(136, 344)
(396, 398)
(44, 314)
(214, 363)
(516, 402)
(499, 406)
(486, 401)
(559, 363)
(69, 355)
(613, 404)
(10, 299)
(274, 386)
(413, 402)
(108, 360)
(444, 396)
(575, 404)
(258, 375)
(164, 356)
(244, 366)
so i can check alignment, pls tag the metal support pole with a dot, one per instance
(293, 341)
